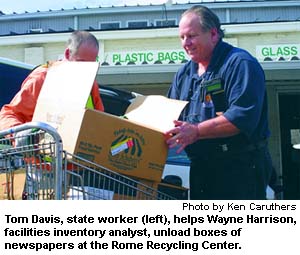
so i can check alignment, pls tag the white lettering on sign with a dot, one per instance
(276, 51)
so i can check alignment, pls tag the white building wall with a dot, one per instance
(15, 52)
(145, 40)
(34, 55)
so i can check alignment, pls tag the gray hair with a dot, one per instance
(208, 19)
(78, 38)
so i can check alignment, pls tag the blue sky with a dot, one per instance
(20, 6)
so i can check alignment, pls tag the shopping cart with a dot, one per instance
(36, 150)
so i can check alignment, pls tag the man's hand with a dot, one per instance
(182, 135)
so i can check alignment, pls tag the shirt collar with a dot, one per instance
(219, 51)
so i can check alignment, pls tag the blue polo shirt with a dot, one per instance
(241, 97)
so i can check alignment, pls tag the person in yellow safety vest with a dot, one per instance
(81, 46)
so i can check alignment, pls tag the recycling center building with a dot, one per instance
(140, 51)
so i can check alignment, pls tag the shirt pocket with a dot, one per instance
(215, 88)
(218, 98)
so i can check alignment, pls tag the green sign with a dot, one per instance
(146, 56)
(277, 51)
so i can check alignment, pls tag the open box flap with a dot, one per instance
(63, 97)
(155, 111)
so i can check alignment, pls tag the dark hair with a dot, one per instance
(208, 19)
(79, 37)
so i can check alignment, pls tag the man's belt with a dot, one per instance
(210, 148)
(234, 148)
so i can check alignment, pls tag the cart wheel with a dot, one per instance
(24, 195)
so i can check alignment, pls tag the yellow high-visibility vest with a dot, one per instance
(90, 103)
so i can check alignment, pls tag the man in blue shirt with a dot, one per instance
(227, 146)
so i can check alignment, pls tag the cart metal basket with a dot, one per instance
(87, 180)
(33, 151)
(33, 163)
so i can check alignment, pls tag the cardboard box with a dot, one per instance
(121, 145)
(134, 147)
